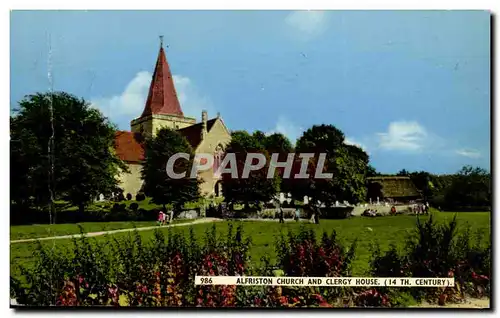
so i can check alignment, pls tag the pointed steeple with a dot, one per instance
(162, 97)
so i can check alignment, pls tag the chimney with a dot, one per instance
(204, 118)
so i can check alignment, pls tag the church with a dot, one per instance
(162, 109)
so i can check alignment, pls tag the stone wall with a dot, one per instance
(152, 123)
(218, 135)
(358, 210)
(131, 182)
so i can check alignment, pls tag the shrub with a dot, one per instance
(129, 196)
(134, 206)
(155, 273)
(371, 298)
(118, 207)
(435, 250)
(336, 212)
(140, 196)
(267, 214)
(302, 255)
(120, 197)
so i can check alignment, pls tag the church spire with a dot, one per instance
(162, 97)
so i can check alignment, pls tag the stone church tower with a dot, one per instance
(162, 109)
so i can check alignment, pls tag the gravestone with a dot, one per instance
(306, 199)
(190, 214)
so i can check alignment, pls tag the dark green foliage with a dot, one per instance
(140, 197)
(471, 187)
(435, 250)
(84, 163)
(159, 272)
(118, 207)
(129, 196)
(371, 172)
(403, 173)
(257, 187)
(301, 254)
(158, 185)
(134, 206)
(120, 197)
(467, 190)
(347, 163)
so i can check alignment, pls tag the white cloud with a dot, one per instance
(287, 128)
(404, 136)
(192, 102)
(470, 153)
(130, 103)
(354, 142)
(308, 22)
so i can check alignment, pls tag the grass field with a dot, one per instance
(384, 230)
(19, 232)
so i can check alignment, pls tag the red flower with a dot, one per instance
(325, 304)
(257, 301)
(283, 300)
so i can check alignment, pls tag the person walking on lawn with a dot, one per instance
(281, 214)
(170, 216)
(297, 214)
(316, 210)
(161, 218)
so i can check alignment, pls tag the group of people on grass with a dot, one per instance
(421, 208)
(281, 214)
(369, 212)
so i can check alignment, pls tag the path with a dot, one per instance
(476, 303)
(203, 220)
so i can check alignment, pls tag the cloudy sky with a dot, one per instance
(411, 88)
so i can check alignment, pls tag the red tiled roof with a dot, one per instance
(127, 147)
(193, 133)
(162, 97)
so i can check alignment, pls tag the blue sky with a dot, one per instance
(410, 87)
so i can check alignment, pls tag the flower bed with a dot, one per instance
(160, 272)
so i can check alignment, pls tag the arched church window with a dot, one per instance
(218, 154)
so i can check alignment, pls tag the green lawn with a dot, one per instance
(384, 230)
(19, 232)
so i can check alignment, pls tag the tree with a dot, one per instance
(371, 172)
(423, 182)
(157, 183)
(403, 172)
(347, 163)
(257, 187)
(278, 143)
(84, 161)
(471, 187)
